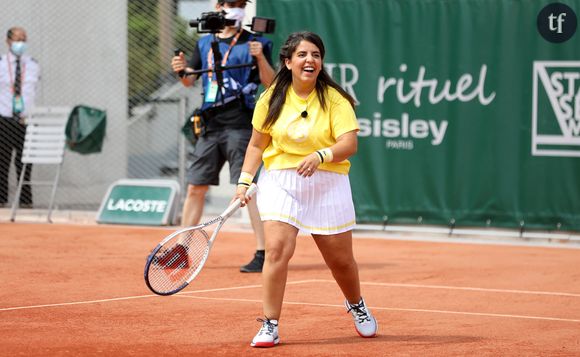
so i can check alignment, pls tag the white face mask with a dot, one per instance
(18, 48)
(235, 13)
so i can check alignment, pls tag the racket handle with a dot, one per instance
(251, 190)
(236, 204)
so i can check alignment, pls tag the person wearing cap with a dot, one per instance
(226, 111)
(19, 76)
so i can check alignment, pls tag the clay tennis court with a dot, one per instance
(79, 290)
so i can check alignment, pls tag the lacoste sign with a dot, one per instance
(143, 202)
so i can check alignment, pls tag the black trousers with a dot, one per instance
(12, 139)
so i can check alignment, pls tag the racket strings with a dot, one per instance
(176, 261)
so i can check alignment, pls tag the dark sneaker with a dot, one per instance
(268, 334)
(255, 266)
(364, 321)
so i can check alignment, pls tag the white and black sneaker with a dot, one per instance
(364, 321)
(268, 334)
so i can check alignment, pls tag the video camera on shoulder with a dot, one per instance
(215, 22)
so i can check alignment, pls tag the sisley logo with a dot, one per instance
(556, 108)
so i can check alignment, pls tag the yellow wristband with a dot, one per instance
(245, 179)
(325, 155)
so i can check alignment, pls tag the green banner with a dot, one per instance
(140, 202)
(469, 110)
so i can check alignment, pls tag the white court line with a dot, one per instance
(508, 291)
(140, 297)
(400, 309)
(319, 281)
(245, 287)
(75, 303)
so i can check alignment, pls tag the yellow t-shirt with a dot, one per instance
(295, 137)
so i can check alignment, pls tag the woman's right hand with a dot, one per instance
(241, 194)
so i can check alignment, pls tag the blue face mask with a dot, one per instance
(18, 48)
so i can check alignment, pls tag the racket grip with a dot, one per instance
(236, 204)
(251, 190)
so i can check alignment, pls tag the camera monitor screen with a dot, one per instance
(263, 25)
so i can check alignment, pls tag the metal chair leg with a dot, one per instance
(53, 193)
(18, 193)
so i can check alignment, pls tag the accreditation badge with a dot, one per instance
(17, 104)
(211, 92)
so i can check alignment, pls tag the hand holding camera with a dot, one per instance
(256, 48)
(178, 63)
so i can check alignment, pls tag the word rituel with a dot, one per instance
(461, 92)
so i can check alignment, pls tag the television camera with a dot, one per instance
(215, 21)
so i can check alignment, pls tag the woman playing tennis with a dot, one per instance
(304, 130)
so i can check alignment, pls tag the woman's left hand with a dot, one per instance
(308, 166)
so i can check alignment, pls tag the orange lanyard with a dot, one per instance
(10, 73)
(226, 55)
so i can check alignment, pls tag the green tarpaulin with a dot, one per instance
(85, 129)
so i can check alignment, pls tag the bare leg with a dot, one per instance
(337, 253)
(193, 205)
(257, 224)
(280, 246)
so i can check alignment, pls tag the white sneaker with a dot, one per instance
(364, 321)
(268, 334)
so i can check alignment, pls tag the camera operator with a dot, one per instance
(226, 111)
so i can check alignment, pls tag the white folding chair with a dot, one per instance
(44, 144)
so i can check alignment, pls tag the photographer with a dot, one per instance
(228, 104)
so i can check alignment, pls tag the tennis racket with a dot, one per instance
(180, 256)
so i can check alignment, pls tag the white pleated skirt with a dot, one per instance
(320, 204)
